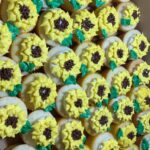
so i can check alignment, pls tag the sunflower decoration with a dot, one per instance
(76, 103)
(42, 93)
(72, 135)
(126, 135)
(12, 119)
(45, 132)
(93, 57)
(85, 25)
(101, 120)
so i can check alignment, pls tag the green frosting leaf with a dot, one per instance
(38, 147)
(70, 80)
(109, 129)
(50, 107)
(75, 4)
(26, 128)
(105, 101)
(145, 144)
(81, 146)
(16, 90)
(54, 3)
(86, 114)
(115, 106)
(39, 5)
(112, 65)
(113, 92)
(26, 67)
(84, 70)
(136, 80)
(140, 128)
(99, 104)
(84, 140)
(80, 35)
(119, 134)
(125, 22)
(133, 54)
(67, 41)
(104, 33)
(136, 106)
(99, 3)
(13, 29)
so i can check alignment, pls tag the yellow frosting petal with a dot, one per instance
(84, 2)
(9, 82)
(41, 127)
(5, 114)
(24, 22)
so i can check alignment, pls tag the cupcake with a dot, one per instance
(97, 89)
(100, 3)
(85, 25)
(30, 51)
(116, 52)
(10, 77)
(20, 147)
(119, 81)
(71, 135)
(108, 21)
(103, 141)
(91, 56)
(72, 102)
(44, 130)
(13, 116)
(63, 65)
(22, 13)
(39, 92)
(56, 27)
(99, 121)
(122, 108)
(129, 15)
(145, 142)
(52, 4)
(137, 43)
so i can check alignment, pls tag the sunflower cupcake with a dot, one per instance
(137, 43)
(144, 143)
(13, 116)
(129, 15)
(44, 130)
(56, 27)
(91, 56)
(30, 51)
(122, 108)
(39, 92)
(108, 21)
(20, 147)
(116, 52)
(97, 89)
(22, 13)
(10, 77)
(85, 25)
(63, 65)
(71, 135)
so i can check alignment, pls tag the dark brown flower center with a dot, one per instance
(142, 46)
(61, 24)
(11, 121)
(146, 73)
(36, 51)
(128, 110)
(69, 64)
(6, 73)
(125, 83)
(111, 19)
(101, 90)
(25, 12)
(135, 14)
(44, 92)
(131, 135)
(147, 100)
(78, 103)
(76, 134)
(120, 53)
(47, 133)
(95, 57)
(87, 24)
(103, 120)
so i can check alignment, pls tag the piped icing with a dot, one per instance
(12, 118)
(75, 102)
(100, 3)
(10, 75)
(93, 57)
(65, 64)
(57, 25)
(108, 20)
(42, 92)
(5, 39)
(86, 23)
(100, 120)
(45, 131)
(33, 50)
(54, 3)
(72, 135)
(22, 13)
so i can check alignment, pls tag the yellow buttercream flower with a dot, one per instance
(93, 57)
(118, 52)
(65, 64)
(83, 2)
(143, 72)
(110, 144)
(57, 24)
(101, 120)
(5, 39)
(87, 23)
(12, 119)
(122, 82)
(45, 131)
(10, 75)
(72, 135)
(34, 50)
(75, 102)
(143, 97)
(42, 92)
(132, 12)
(140, 45)
(22, 13)
(108, 19)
